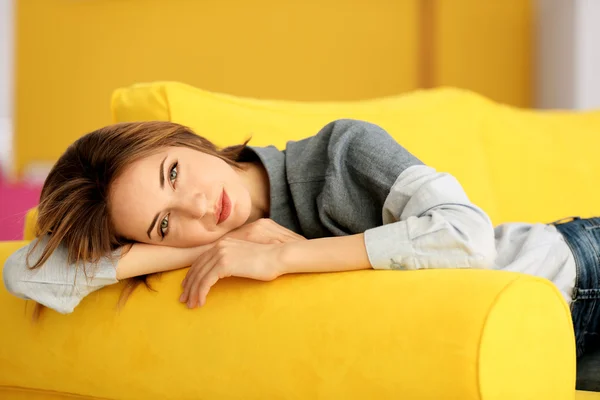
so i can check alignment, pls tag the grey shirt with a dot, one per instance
(352, 177)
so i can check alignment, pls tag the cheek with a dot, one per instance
(243, 207)
(192, 234)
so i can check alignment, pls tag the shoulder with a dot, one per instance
(361, 143)
(341, 136)
(352, 131)
(348, 148)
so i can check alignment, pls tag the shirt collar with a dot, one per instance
(281, 208)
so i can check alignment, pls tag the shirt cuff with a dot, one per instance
(386, 246)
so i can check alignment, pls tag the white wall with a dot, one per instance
(554, 73)
(567, 46)
(587, 50)
(6, 81)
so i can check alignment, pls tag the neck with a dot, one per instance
(256, 180)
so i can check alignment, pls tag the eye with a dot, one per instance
(164, 226)
(173, 173)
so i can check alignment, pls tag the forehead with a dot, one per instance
(153, 161)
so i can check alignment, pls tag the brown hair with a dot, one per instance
(73, 208)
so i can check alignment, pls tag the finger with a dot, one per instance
(194, 288)
(200, 272)
(293, 235)
(190, 271)
(257, 237)
(196, 269)
(284, 234)
(237, 234)
(199, 263)
(207, 283)
(275, 234)
(288, 238)
(296, 235)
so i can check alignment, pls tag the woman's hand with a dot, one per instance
(230, 257)
(265, 231)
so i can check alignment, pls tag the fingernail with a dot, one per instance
(182, 298)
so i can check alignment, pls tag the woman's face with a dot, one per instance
(178, 197)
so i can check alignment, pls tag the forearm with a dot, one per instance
(346, 253)
(142, 259)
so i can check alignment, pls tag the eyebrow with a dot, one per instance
(161, 177)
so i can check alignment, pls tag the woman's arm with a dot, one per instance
(143, 259)
(429, 223)
(60, 285)
(345, 253)
(412, 216)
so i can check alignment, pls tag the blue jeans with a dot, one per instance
(583, 237)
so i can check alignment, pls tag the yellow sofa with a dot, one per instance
(437, 334)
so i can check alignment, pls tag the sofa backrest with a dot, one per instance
(518, 165)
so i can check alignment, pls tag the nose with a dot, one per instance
(194, 204)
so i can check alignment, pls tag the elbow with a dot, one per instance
(11, 276)
(13, 272)
(474, 233)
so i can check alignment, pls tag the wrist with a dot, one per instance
(192, 253)
(346, 253)
(284, 259)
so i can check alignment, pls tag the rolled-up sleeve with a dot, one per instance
(429, 222)
(56, 284)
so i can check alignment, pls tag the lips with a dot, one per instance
(223, 208)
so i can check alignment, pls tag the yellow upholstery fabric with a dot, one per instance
(384, 335)
(518, 165)
(30, 221)
(458, 334)
(584, 395)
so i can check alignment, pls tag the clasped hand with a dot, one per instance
(253, 251)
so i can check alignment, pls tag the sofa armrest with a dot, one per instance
(435, 334)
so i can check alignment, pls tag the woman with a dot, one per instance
(138, 198)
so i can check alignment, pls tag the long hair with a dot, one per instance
(74, 202)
